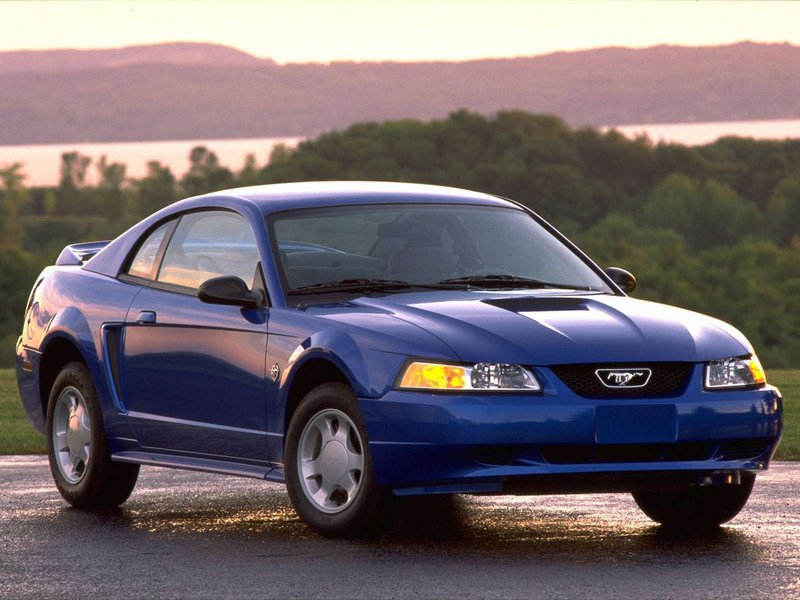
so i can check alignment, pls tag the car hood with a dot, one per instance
(548, 329)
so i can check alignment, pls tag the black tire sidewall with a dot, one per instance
(365, 509)
(87, 490)
(697, 507)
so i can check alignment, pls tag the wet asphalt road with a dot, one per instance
(194, 535)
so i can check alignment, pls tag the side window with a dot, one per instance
(210, 244)
(145, 259)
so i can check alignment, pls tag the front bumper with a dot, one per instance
(428, 443)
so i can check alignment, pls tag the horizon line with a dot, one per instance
(401, 61)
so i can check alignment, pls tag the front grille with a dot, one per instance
(668, 380)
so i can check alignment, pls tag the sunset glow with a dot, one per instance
(325, 31)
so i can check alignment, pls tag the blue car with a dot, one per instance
(365, 341)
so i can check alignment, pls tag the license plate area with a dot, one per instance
(626, 424)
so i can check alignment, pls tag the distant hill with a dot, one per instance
(178, 53)
(195, 91)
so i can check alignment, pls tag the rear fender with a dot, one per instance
(71, 326)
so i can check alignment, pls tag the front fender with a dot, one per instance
(370, 372)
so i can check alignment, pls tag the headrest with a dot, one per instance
(408, 229)
(422, 260)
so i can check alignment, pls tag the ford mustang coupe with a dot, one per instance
(362, 342)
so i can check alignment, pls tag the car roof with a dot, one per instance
(266, 199)
(287, 196)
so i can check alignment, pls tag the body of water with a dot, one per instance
(42, 161)
(694, 134)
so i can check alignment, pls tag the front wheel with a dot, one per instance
(329, 472)
(77, 447)
(701, 507)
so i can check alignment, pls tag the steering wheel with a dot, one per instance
(205, 264)
(467, 263)
(490, 271)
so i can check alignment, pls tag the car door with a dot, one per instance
(194, 373)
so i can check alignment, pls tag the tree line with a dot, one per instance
(713, 228)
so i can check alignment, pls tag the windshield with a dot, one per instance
(430, 246)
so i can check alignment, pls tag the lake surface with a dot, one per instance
(703, 133)
(42, 161)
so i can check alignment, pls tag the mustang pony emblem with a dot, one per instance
(275, 372)
(624, 378)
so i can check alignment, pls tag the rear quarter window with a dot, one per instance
(144, 262)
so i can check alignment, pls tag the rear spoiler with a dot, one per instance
(78, 254)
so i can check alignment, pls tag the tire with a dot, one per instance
(77, 446)
(696, 508)
(329, 473)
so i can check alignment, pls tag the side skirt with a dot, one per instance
(206, 465)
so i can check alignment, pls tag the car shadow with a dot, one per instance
(502, 530)
(519, 529)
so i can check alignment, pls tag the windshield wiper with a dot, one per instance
(510, 281)
(380, 285)
(360, 285)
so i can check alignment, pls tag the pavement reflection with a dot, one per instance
(186, 534)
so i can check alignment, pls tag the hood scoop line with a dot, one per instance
(539, 304)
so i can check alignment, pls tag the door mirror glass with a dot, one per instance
(624, 280)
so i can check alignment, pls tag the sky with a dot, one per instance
(367, 30)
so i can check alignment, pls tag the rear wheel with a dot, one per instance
(329, 472)
(77, 447)
(700, 507)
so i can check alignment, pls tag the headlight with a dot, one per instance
(734, 372)
(482, 376)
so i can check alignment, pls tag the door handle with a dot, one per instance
(146, 317)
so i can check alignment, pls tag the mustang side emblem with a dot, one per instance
(624, 378)
(275, 372)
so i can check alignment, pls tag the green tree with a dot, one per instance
(621, 170)
(671, 205)
(723, 217)
(755, 286)
(49, 202)
(155, 190)
(659, 259)
(14, 196)
(249, 174)
(18, 271)
(205, 174)
(111, 178)
(706, 214)
(783, 215)
(74, 169)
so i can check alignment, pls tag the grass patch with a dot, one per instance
(18, 437)
(788, 380)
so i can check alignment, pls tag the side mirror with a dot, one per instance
(624, 280)
(230, 290)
